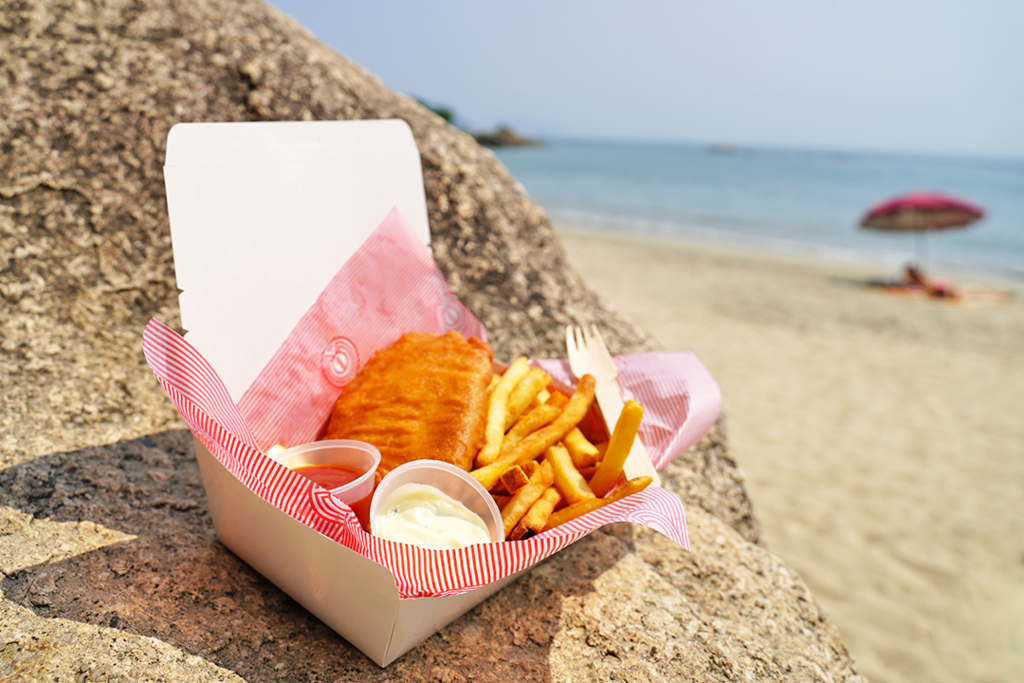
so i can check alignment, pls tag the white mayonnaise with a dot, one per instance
(422, 515)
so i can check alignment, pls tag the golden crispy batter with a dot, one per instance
(422, 397)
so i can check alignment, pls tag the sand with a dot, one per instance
(883, 439)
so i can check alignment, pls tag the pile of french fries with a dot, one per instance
(538, 464)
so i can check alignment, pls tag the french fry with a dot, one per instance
(495, 378)
(581, 508)
(500, 500)
(610, 469)
(569, 481)
(537, 516)
(525, 497)
(514, 478)
(497, 409)
(588, 472)
(541, 397)
(536, 443)
(529, 468)
(557, 398)
(524, 392)
(582, 451)
(529, 423)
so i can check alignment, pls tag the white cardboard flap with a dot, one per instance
(263, 214)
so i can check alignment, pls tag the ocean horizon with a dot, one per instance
(797, 201)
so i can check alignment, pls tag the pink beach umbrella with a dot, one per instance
(921, 213)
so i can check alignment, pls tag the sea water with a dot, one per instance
(777, 199)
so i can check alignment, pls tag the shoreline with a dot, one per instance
(893, 260)
(882, 438)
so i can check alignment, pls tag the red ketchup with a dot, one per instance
(333, 476)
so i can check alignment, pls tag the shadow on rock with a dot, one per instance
(175, 582)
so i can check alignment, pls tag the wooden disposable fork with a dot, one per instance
(589, 355)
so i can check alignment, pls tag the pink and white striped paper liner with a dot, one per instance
(681, 399)
(390, 286)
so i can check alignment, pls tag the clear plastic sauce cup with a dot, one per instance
(344, 467)
(450, 480)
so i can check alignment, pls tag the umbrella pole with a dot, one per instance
(921, 247)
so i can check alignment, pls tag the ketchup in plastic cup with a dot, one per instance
(344, 467)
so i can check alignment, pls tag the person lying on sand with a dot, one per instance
(936, 287)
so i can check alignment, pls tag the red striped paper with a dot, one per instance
(681, 399)
(391, 286)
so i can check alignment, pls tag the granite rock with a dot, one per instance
(110, 567)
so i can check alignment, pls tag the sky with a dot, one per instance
(939, 77)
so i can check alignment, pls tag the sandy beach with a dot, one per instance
(883, 439)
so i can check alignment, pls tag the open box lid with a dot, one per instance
(263, 214)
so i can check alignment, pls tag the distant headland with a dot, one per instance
(502, 135)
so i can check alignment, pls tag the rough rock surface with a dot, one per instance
(110, 567)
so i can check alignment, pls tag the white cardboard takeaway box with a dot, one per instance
(255, 212)
(353, 595)
(268, 218)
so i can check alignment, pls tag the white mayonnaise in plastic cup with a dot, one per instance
(448, 514)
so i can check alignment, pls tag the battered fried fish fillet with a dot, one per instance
(423, 397)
